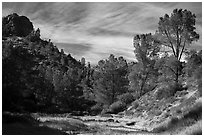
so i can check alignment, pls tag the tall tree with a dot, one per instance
(177, 32)
(142, 74)
(110, 79)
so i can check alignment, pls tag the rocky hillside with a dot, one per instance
(173, 114)
(41, 74)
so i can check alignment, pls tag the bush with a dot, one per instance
(135, 104)
(195, 129)
(198, 76)
(195, 111)
(126, 98)
(96, 109)
(168, 91)
(117, 107)
(163, 92)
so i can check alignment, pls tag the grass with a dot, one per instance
(23, 124)
(188, 120)
(195, 129)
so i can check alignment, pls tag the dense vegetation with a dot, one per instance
(37, 77)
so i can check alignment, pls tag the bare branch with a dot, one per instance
(170, 69)
(170, 43)
(182, 50)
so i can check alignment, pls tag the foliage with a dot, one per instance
(126, 98)
(168, 67)
(18, 80)
(176, 32)
(135, 104)
(96, 109)
(193, 67)
(110, 79)
(37, 76)
(117, 107)
(167, 91)
(194, 61)
(40, 76)
(143, 73)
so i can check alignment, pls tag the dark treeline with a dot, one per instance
(37, 77)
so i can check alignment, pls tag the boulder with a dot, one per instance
(15, 25)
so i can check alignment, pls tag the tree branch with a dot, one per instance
(144, 82)
(182, 50)
(178, 44)
(170, 69)
(170, 43)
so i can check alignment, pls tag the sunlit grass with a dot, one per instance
(191, 121)
(195, 129)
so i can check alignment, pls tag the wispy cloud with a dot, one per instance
(94, 30)
(75, 49)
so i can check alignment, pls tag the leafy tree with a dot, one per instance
(193, 67)
(87, 82)
(110, 79)
(176, 32)
(35, 71)
(168, 67)
(18, 75)
(194, 60)
(142, 74)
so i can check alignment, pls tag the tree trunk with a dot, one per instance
(178, 70)
(177, 75)
(143, 83)
(113, 90)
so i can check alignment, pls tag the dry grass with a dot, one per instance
(189, 120)
(195, 129)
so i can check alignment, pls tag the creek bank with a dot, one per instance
(91, 124)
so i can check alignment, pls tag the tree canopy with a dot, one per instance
(37, 76)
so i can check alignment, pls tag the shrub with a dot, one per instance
(178, 111)
(166, 115)
(166, 125)
(117, 107)
(195, 111)
(198, 76)
(162, 93)
(135, 104)
(126, 98)
(168, 91)
(195, 129)
(96, 109)
(157, 113)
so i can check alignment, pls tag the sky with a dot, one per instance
(96, 30)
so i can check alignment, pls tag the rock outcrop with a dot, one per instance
(15, 25)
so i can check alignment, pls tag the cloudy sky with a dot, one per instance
(94, 30)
